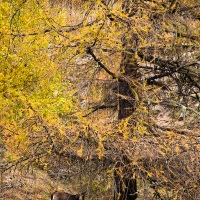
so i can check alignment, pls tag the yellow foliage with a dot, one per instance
(56, 94)
(80, 151)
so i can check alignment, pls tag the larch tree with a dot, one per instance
(110, 86)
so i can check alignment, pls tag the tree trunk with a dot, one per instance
(125, 184)
(125, 187)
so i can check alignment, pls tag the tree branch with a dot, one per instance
(64, 29)
(95, 108)
(90, 52)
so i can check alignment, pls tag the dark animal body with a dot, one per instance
(66, 196)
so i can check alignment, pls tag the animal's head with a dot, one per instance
(82, 196)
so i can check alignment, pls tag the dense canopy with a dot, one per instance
(103, 90)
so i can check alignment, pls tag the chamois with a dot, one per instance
(66, 196)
